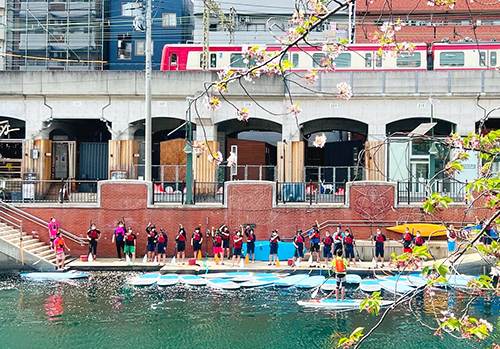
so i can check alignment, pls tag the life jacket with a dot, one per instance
(54, 226)
(453, 235)
(299, 239)
(226, 237)
(328, 240)
(59, 243)
(348, 239)
(119, 232)
(315, 234)
(407, 237)
(161, 238)
(181, 237)
(197, 236)
(339, 265)
(93, 234)
(218, 241)
(130, 237)
(337, 238)
(419, 241)
(251, 237)
(274, 238)
(380, 238)
(237, 244)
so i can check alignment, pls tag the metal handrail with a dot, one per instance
(41, 222)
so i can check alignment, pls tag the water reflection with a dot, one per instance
(54, 308)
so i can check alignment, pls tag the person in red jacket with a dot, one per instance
(196, 241)
(93, 235)
(180, 238)
(237, 245)
(218, 251)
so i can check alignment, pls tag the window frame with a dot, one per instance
(163, 21)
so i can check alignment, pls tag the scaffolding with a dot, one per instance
(55, 35)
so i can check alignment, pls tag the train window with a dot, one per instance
(295, 60)
(482, 59)
(318, 60)
(452, 59)
(237, 61)
(493, 59)
(343, 60)
(406, 60)
(368, 60)
(213, 60)
(378, 60)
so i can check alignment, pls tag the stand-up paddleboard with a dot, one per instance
(310, 282)
(460, 281)
(396, 287)
(230, 275)
(426, 229)
(331, 284)
(193, 280)
(224, 284)
(147, 279)
(168, 280)
(290, 280)
(370, 285)
(334, 304)
(353, 279)
(252, 276)
(260, 282)
(55, 275)
(262, 249)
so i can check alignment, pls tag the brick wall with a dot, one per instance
(248, 202)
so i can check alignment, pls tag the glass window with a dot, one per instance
(482, 59)
(343, 60)
(493, 59)
(405, 60)
(173, 59)
(318, 60)
(213, 60)
(236, 61)
(295, 60)
(140, 47)
(368, 60)
(378, 61)
(452, 59)
(124, 47)
(169, 20)
(131, 9)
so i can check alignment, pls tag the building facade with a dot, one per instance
(467, 21)
(3, 21)
(62, 35)
(171, 25)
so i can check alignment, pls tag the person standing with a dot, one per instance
(226, 235)
(327, 248)
(152, 240)
(379, 239)
(162, 246)
(298, 242)
(407, 241)
(340, 265)
(338, 238)
(273, 244)
(59, 246)
(217, 250)
(237, 245)
(451, 234)
(196, 241)
(93, 235)
(180, 238)
(53, 226)
(419, 240)
(250, 234)
(130, 243)
(118, 239)
(349, 247)
(314, 236)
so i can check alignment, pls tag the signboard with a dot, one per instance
(29, 187)
(5, 129)
(118, 174)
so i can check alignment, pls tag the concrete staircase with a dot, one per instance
(36, 254)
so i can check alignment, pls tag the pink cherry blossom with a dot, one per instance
(232, 159)
(212, 103)
(344, 91)
(294, 108)
(320, 141)
(242, 114)
(217, 157)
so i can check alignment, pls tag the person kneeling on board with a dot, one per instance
(340, 266)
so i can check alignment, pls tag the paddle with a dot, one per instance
(145, 259)
(316, 290)
(357, 254)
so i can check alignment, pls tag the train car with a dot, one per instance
(466, 55)
(363, 57)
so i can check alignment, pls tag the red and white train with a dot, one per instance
(358, 57)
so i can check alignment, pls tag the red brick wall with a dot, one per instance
(401, 6)
(247, 203)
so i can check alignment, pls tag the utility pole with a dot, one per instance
(148, 122)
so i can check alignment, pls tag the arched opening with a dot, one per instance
(337, 161)
(254, 143)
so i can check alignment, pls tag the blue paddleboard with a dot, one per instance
(290, 280)
(310, 282)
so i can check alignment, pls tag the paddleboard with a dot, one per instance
(259, 282)
(369, 285)
(147, 279)
(168, 280)
(425, 229)
(394, 287)
(353, 279)
(224, 284)
(55, 275)
(262, 249)
(310, 282)
(230, 275)
(331, 284)
(252, 276)
(193, 280)
(337, 304)
(290, 280)
(460, 281)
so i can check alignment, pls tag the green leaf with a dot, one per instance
(357, 333)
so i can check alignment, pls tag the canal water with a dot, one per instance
(105, 312)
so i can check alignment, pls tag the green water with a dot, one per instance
(104, 312)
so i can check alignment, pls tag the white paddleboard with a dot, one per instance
(224, 284)
(290, 280)
(147, 279)
(168, 280)
(334, 304)
(260, 282)
(73, 274)
(193, 280)
(331, 284)
(230, 275)
(369, 285)
(394, 287)
(251, 276)
(310, 282)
